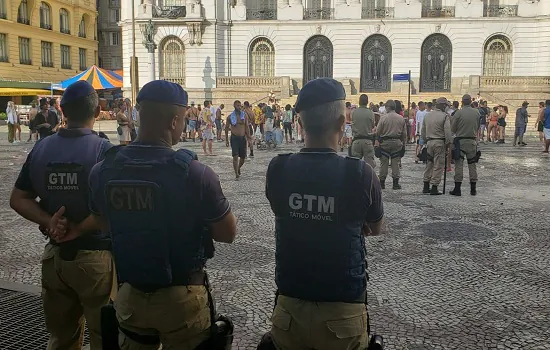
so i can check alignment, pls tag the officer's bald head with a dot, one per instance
(390, 105)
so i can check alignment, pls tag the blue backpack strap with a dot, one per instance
(184, 157)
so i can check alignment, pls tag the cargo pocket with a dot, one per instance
(348, 328)
(281, 319)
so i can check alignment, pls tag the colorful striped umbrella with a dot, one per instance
(101, 79)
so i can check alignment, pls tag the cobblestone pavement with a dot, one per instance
(450, 273)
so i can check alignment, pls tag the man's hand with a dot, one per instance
(73, 233)
(58, 226)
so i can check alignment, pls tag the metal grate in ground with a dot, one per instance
(22, 321)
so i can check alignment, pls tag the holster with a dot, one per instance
(377, 152)
(423, 155)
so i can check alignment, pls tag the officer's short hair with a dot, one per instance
(363, 100)
(81, 109)
(390, 104)
(159, 111)
(320, 119)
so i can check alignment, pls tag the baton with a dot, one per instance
(445, 170)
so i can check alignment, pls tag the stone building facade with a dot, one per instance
(45, 41)
(109, 34)
(224, 49)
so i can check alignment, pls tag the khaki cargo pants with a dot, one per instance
(179, 315)
(363, 149)
(300, 324)
(435, 167)
(73, 291)
(468, 150)
(390, 146)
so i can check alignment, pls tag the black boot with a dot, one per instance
(396, 185)
(383, 184)
(434, 191)
(426, 189)
(456, 191)
(473, 190)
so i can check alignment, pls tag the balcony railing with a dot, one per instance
(47, 64)
(380, 12)
(4, 59)
(27, 61)
(500, 11)
(222, 82)
(170, 12)
(45, 26)
(513, 84)
(322, 13)
(261, 13)
(436, 12)
(23, 20)
(65, 30)
(180, 81)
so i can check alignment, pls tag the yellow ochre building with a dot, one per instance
(44, 42)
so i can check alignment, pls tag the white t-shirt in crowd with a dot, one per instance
(419, 120)
(12, 115)
(269, 125)
(382, 109)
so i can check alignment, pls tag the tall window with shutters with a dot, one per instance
(4, 48)
(25, 51)
(172, 60)
(45, 16)
(262, 58)
(64, 23)
(65, 57)
(497, 56)
(47, 54)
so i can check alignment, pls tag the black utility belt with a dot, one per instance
(362, 299)
(390, 138)
(78, 244)
(465, 138)
(197, 278)
(439, 138)
(363, 138)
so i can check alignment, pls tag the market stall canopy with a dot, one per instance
(23, 92)
(101, 79)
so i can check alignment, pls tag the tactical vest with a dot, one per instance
(319, 217)
(60, 165)
(140, 188)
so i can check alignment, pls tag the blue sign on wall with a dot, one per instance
(401, 77)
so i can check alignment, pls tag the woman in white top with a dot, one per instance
(14, 129)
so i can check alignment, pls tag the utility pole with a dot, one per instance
(134, 78)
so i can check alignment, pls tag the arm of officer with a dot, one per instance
(423, 129)
(215, 208)
(23, 198)
(375, 212)
(404, 133)
(448, 133)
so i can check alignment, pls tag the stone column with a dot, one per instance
(290, 10)
(152, 70)
(238, 12)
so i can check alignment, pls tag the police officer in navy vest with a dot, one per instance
(324, 206)
(77, 272)
(162, 208)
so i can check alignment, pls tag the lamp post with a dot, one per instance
(148, 30)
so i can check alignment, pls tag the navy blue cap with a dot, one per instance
(77, 90)
(319, 91)
(163, 91)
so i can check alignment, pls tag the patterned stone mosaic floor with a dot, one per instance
(449, 273)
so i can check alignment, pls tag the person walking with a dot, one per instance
(14, 128)
(239, 124)
(522, 118)
(546, 129)
(502, 124)
(436, 134)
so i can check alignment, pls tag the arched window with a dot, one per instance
(45, 16)
(172, 60)
(262, 58)
(436, 64)
(376, 55)
(497, 56)
(82, 27)
(64, 24)
(23, 13)
(318, 53)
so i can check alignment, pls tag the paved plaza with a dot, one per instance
(449, 273)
